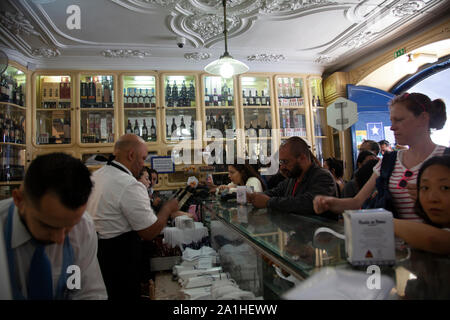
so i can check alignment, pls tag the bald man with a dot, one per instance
(120, 207)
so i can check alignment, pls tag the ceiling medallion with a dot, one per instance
(266, 57)
(282, 6)
(359, 39)
(45, 52)
(124, 53)
(17, 24)
(324, 59)
(408, 8)
(197, 56)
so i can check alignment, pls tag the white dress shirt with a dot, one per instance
(83, 240)
(118, 202)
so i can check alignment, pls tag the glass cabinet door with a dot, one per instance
(257, 114)
(220, 109)
(291, 107)
(319, 121)
(180, 107)
(97, 108)
(53, 109)
(139, 104)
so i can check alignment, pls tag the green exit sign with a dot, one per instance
(399, 53)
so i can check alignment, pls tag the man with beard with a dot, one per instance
(306, 179)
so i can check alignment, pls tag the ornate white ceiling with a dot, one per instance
(269, 35)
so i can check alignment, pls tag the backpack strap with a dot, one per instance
(387, 166)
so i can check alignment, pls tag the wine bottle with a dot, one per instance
(106, 94)
(135, 98)
(140, 99)
(130, 97)
(153, 99)
(215, 98)
(168, 95)
(153, 131)
(191, 94)
(229, 98)
(91, 92)
(206, 98)
(183, 101)
(251, 100)
(208, 123)
(136, 130)
(182, 125)
(144, 131)
(191, 128)
(244, 98)
(146, 99)
(173, 128)
(125, 98)
(129, 129)
(175, 99)
(257, 99)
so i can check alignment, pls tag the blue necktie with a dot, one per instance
(40, 282)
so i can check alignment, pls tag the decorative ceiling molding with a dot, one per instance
(46, 52)
(197, 56)
(124, 53)
(17, 24)
(324, 59)
(408, 8)
(266, 57)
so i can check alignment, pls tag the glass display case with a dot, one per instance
(53, 109)
(97, 108)
(140, 105)
(318, 119)
(220, 109)
(291, 107)
(13, 88)
(180, 107)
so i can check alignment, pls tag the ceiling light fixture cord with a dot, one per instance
(225, 32)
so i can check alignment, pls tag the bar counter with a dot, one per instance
(252, 241)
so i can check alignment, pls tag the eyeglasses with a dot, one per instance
(404, 181)
(283, 162)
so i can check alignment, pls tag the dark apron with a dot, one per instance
(120, 260)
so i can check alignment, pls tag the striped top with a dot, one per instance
(400, 196)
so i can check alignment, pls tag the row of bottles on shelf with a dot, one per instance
(219, 122)
(180, 132)
(263, 131)
(251, 98)
(55, 91)
(52, 130)
(183, 97)
(56, 105)
(11, 90)
(224, 99)
(99, 127)
(292, 123)
(316, 101)
(290, 93)
(12, 163)
(143, 132)
(12, 129)
(318, 123)
(97, 92)
(138, 98)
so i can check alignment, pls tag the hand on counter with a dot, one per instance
(258, 200)
(171, 206)
(322, 203)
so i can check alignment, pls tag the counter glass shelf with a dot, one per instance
(97, 108)
(180, 104)
(140, 106)
(287, 241)
(53, 109)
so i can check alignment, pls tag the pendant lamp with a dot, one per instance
(226, 66)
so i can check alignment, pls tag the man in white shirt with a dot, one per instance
(120, 207)
(51, 245)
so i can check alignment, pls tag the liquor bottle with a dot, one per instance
(215, 98)
(106, 94)
(191, 128)
(213, 123)
(206, 98)
(140, 99)
(153, 131)
(175, 99)
(130, 97)
(229, 98)
(91, 92)
(135, 98)
(244, 98)
(257, 98)
(144, 131)
(153, 99)
(66, 129)
(21, 97)
(251, 100)
(220, 124)
(224, 95)
(125, 98)
(98, 93)
(318, 102)
(173, 127)
(168, 95)
(182, 125)
(167, 130)
(268, 132)
(263, 98)
(314, 101)
(146, 99)
(208, 123)
(191, 94)
(129, 129)
(136, 130)
(183, 101)
(14, 93)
